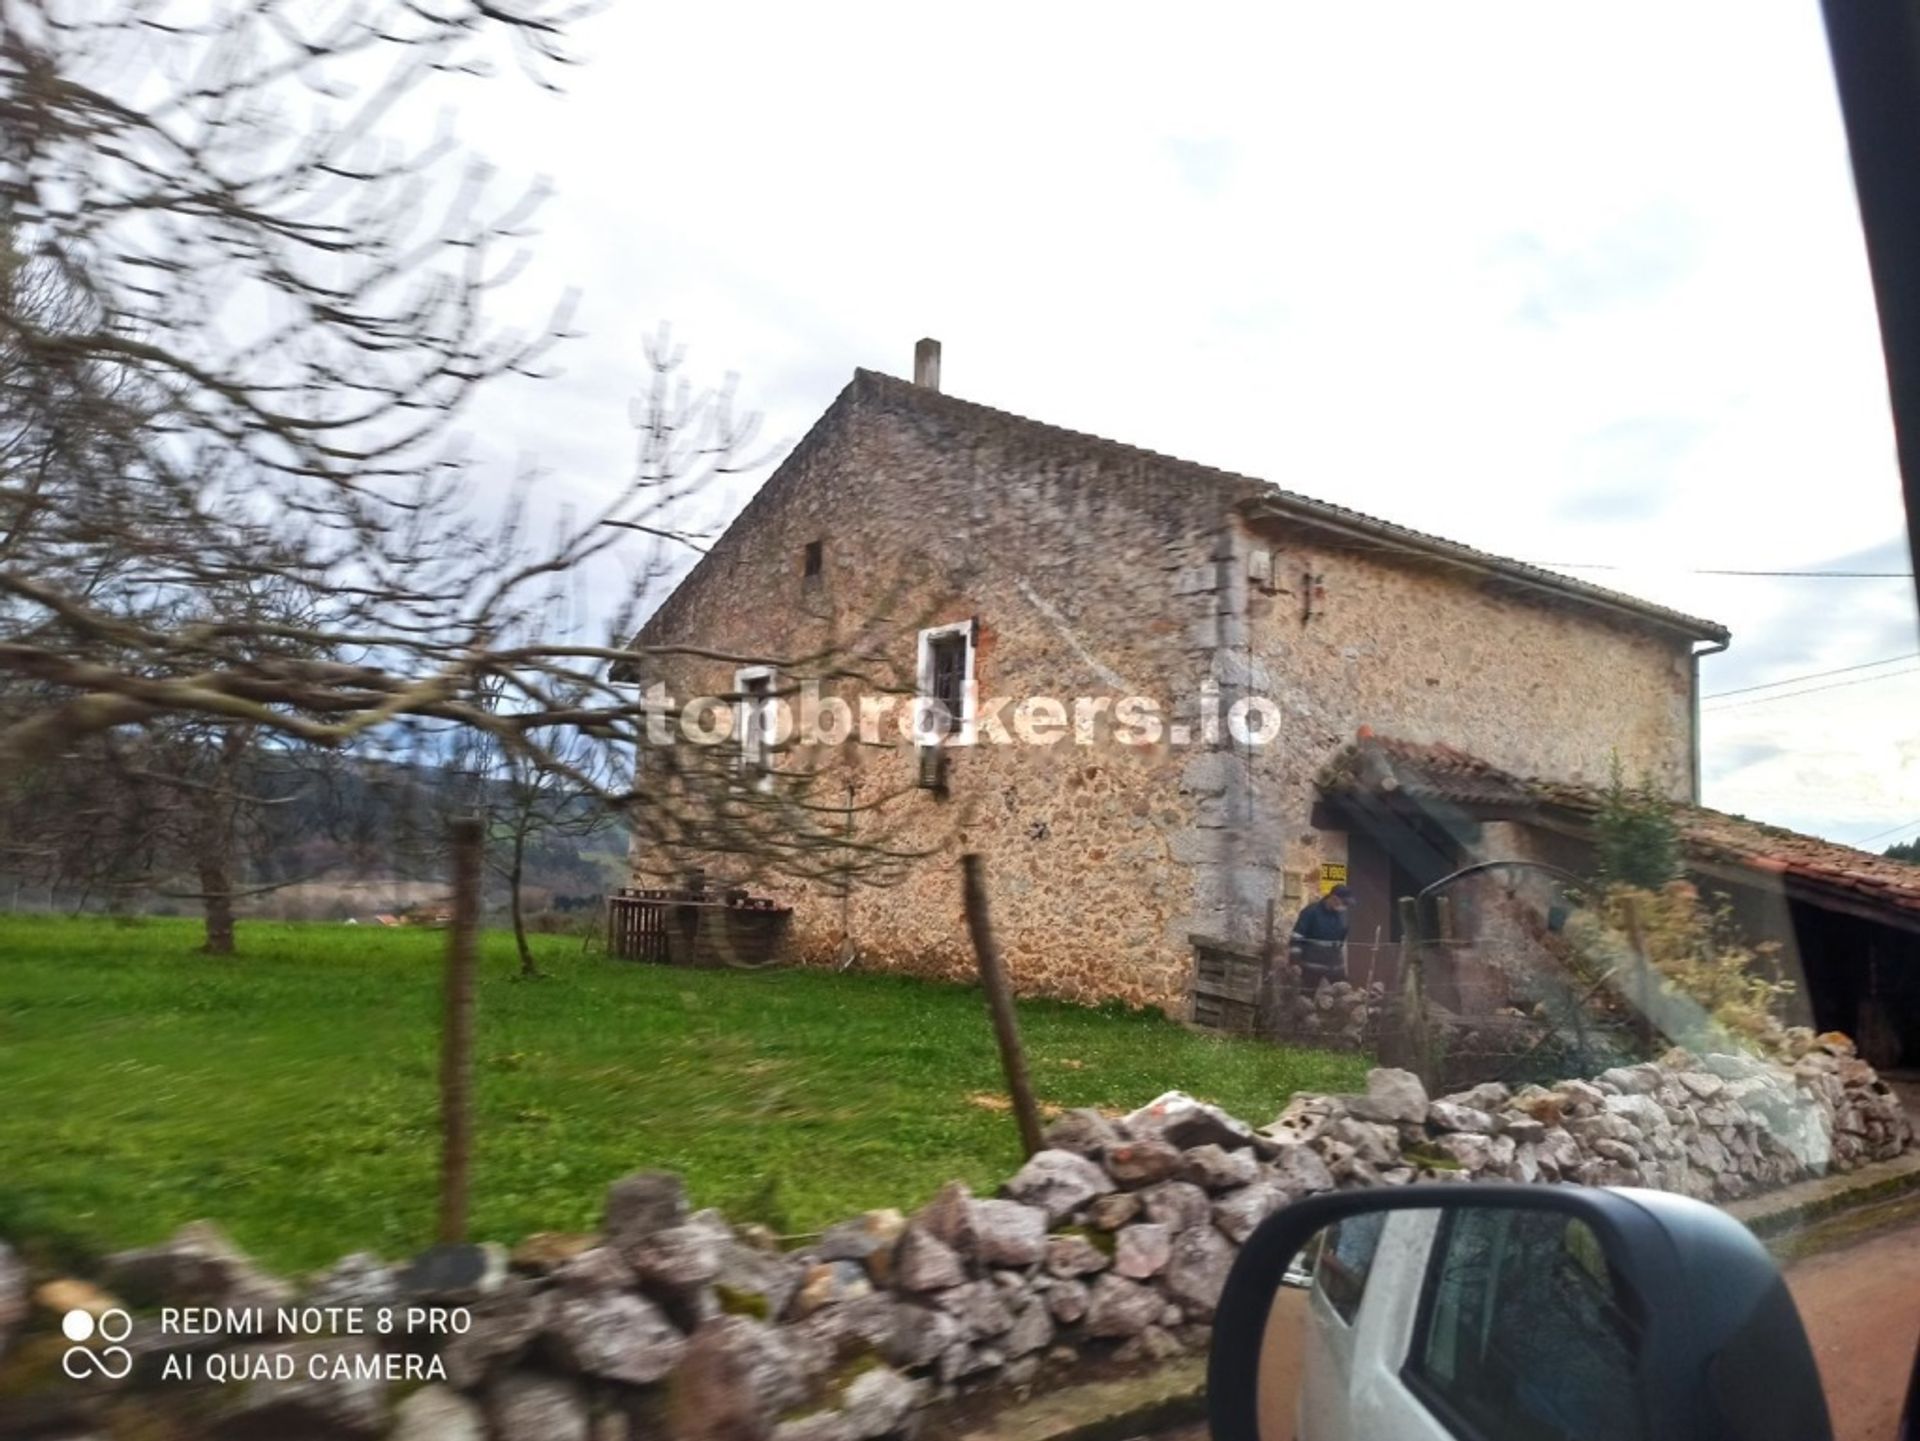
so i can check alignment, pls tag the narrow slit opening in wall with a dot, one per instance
(949, 689)
(812, 560)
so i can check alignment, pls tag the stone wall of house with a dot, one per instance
(1430, 655)
(1086, 576)
(1097, 571)
(1108, 1248)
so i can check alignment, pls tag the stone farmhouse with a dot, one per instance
(1004, 567)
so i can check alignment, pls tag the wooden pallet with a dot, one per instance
(709, 932)
(1227, 986)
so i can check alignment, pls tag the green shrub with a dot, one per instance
(1704, 985)
(1636, 841)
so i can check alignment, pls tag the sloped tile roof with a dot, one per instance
(1426, 772)
(1773, 850)
(1444, 774)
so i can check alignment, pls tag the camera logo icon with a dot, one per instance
(113, 1361)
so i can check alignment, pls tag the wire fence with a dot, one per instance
(1457, 1013)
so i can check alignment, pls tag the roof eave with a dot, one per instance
(1302, 510)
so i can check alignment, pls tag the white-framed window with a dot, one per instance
(944, 695)
(754, 722)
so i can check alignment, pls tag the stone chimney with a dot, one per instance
(926, 364)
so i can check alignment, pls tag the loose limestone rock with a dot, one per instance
(1058, 1182)
(828, 1283)
(500, 1328)
(922, 1262)
(1183, 1122)
(1142, 1250)
(438, 1413)
(199, 1266)
(1110, 1213)
(1032, 1330)
(641, 1205)
(1085, 1132)
(1177, 1205)
(1008, 1233)
(948, 1217)
(614, 1335)
(15, 1301)
(868, 1239)
(1141, 1163)
(1304, 1118)
(676, 1262)
(1197, 1270)
(1391, 1095)
(1371, 1142)
(1299, 1171)
(752, 1282)
(1468, 1151)
(358, 1282)
(1213, 1169)
(1119, 1307)
(526, 1403)
(1457, 1116)
(1156, 1343)
(978, 1306)
(1068, 1301)
(918, 1336)
(600, 1268)
(878, 1403)
(1238, 1212)
(1072, 1255)
(303, 1404)
(1488, 1096)
(721, 1391)
(819, 1426)
(543, 1251)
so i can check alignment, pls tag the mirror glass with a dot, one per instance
(1496, 1323)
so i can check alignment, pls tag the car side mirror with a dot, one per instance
(1561, 1313)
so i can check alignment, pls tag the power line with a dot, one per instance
(1812, 675)
(1900, 829)
(1815, 689)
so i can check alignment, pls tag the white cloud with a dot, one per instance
(1570, 285)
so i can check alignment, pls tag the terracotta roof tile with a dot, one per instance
(1442, 773)
(1422, 771)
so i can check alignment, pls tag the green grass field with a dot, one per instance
(289, 1092)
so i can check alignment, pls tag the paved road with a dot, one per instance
(1861, 1304)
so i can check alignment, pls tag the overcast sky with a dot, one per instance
(1573, 286)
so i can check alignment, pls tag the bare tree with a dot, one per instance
(271, 353)
(533, 805)
(173, 810)
(239, 334)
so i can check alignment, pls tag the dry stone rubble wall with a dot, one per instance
(1107, 1249)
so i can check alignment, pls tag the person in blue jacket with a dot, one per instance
(1319, 944)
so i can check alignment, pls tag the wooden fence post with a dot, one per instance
(468, 838)
(993, 979)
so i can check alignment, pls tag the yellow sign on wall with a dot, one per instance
(1331, 875)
